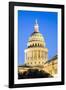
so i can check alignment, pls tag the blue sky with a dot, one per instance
(47, 26)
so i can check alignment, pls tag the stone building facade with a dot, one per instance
(51, 66)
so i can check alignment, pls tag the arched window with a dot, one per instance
(35, 62)
(35, 44)
(38, 44)
(39, 62)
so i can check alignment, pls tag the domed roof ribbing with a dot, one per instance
(36, 38)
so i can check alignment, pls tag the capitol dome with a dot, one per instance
(36, 54)
(36, 38)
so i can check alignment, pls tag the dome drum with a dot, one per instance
(36, 44)
(36, 56)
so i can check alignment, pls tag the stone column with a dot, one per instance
(37, 55)
(43, 55)
(40, 54)
(46, 56)
(32, 55)
(29, 55)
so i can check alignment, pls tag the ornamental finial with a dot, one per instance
(36, 27)
(36, 21)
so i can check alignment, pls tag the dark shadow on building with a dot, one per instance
(33, 73)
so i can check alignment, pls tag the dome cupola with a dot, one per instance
(36, 39)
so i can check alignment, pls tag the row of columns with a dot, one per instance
(35, 55)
